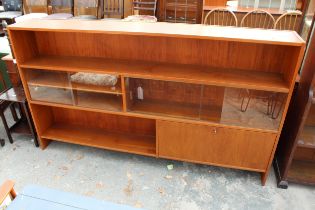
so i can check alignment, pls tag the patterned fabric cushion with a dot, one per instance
(12, 5)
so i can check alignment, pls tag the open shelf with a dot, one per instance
(95, 137)
(307, 137)
(166, 109)
(60, 80)
(302, 171)
(50, 94)
(98, 100)
(176, 72)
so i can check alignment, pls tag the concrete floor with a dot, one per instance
(142, 181)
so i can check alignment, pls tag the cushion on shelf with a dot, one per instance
(94, 79)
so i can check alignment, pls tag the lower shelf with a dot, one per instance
(302, 172)
(139, 144)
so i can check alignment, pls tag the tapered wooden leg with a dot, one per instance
(6, 127)
(43, 143)
(264, 177)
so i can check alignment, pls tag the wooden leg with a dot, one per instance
(2, 142)
(13, 112)
(44, 143)
(30, 123)
(264, 177)
(6, 127)
(281, 182)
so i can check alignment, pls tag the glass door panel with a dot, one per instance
(98, 91)
(228, 106)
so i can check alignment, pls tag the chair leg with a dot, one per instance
(6, 127)
(13, 112)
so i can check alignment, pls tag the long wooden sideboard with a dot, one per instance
(203, 94)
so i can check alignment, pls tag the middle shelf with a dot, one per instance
(157, 98)
(238, 78)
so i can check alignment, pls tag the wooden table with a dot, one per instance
(24, 125)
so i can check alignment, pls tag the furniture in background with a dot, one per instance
(7, 194)
(180, 11)
(289, 21)
(114, 9)
(169, 100)
(33, 9)
(12, 71)
(258, 19)
(241, 12)
(86, 9)
(60, 9)
(308, 20)
(144, 7)
(34, 197)
(12, 10)
(4, 105)
(295, 156)
(143, 11)
(24, 125)
(220, 17)
(35, 6)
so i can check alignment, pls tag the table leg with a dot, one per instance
(13, 112)
(30, 123)
(6, 127)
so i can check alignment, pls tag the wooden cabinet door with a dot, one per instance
(229, 147)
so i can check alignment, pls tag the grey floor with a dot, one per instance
(144, 182)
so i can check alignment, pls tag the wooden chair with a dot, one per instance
(35, 6)
(144, 7)
(258, 19)
(220, 17)
(86, 9)
(288, 20)
(114, 9)
(60, 9)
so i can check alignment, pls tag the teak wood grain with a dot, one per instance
(161, 29)
(215, 146)
(193, 54)
(270, 81)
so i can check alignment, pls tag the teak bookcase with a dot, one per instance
(211, 95)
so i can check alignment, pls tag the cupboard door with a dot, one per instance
(215, 145)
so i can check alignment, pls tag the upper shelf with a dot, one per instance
(163, 29)
(175, 72)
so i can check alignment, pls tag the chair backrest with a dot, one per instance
(61, 6)
(220, 17)
(288, 20)
(114, 8)
(258, 19)
(86, 7)
(144, 7)
(12, 5)
(35, 6)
